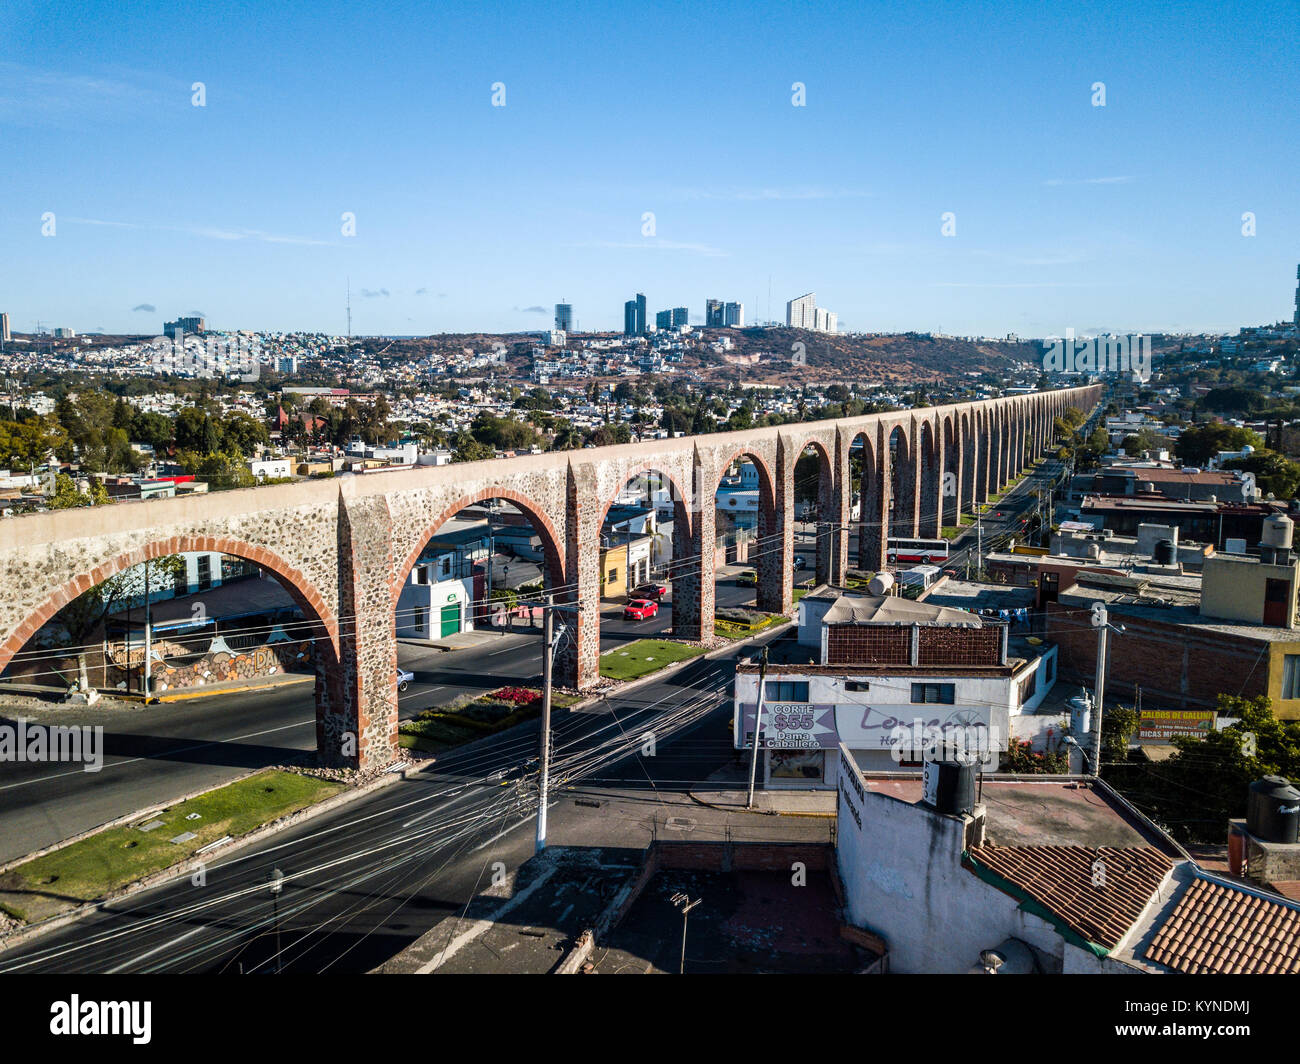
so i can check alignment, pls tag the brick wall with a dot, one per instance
(960, 646)
(1178, 662)
(860, 644)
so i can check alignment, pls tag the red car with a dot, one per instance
(653, 590)
(640, 610)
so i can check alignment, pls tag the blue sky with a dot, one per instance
(1126, 216)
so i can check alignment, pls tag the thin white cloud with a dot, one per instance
(206, 232)
(31, 95)
(656, 245)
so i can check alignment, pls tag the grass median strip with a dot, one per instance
(108, 860)
(644, 656)
(731, 629)
(470, 717)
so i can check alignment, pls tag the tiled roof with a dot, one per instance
(1218, 929)
(1060, 878)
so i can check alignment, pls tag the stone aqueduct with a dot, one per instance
(344, 548)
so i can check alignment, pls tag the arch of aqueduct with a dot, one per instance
(344, 548)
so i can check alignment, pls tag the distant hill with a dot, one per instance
(886, 358)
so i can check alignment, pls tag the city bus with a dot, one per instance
(922, 551)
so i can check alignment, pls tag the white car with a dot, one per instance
(404, 679)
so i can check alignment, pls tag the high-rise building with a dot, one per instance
(664, 320)
(715, 314)
(634, 319)
(734, 315)
(184, 325)
(1297, 299)
(680, 317)
(4, 328)
(564, 317)
(64, 333)
(800, 313)
(804, 313)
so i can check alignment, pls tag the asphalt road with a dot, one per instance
(365, 880)
(156, 754)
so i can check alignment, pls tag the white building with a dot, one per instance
(437, 599)
(889, 678)
(803, 313)
(271, 468)
(800, 313)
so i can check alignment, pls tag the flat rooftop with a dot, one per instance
(1048, 813)
(747, 922)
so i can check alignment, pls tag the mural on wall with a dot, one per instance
(218, 664)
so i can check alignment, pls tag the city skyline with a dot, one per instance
(1064, 214)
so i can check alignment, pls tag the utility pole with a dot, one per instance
(758, 723)
(148, 637)
(491, 511)
(683, 902)
(275, 880)
(1099, 692)
(979, 540)
(543, 778)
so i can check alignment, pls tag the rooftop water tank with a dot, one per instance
(1277, 532)
(881, 583)
(1165, 552)
(1273, 810)
(948, 786)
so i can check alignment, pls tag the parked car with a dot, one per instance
(653, 590)
(749, 578)
(404, 679)
(800, 561)
(640, 610)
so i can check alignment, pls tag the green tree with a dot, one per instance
(81, 618)
(1273, 473)
(66, 495)
(243, 434)
(468, 449)
(1199, 443)
(222, 470)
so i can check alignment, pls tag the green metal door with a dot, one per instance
(451, 619)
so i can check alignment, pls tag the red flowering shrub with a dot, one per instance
(516, 696)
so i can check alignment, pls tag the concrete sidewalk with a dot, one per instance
(779, 803)
(470, 640)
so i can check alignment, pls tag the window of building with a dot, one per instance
(857, 685)
(613, 576)
(942, 693)
(1291, 676)
(786, 691)
(446, 566)
(205, 571)
(421, 617)
(422, 574)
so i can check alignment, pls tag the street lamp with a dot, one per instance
(275, 883)
(684, 903)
